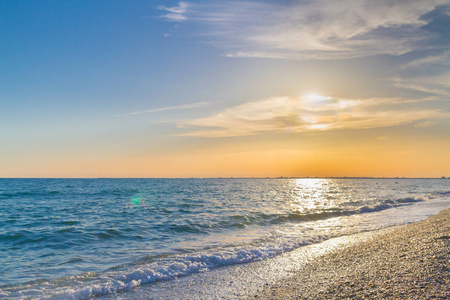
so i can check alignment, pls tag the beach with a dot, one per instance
(403, 262)
(210, 150)
(223, 238)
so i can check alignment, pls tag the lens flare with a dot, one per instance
(136, 201)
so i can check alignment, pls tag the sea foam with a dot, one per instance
(85, 238)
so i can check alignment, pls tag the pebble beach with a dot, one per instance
(403, 262)
(151, 239)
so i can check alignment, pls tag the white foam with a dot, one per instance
(175, 267)
(163, 269)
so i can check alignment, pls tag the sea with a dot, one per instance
(160, 238)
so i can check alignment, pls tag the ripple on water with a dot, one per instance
(53, 228)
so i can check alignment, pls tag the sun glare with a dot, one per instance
(315, 100)
(316, 97)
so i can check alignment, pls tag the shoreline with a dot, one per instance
(322, 270)
(403, 262)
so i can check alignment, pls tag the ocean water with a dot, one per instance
(82, 238)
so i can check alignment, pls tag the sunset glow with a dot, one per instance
(225, 89)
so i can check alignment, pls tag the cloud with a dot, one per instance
(187, 106)
(442, 58)
(423, 124)
(429, 74)
(312, 29)
(175, 13)
(302, 114)
(435, 85)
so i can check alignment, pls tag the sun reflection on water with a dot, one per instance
(313, 195)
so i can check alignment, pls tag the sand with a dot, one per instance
(404, 262)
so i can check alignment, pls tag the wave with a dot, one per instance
(168, 267)
(29, 194)
(72, 193)
(443, 193)
(352, 208)
(79, 222)
(90, 285)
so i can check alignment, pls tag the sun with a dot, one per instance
(315, 98)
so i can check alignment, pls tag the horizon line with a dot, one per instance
(243, 177)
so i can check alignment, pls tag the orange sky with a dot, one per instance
(226, 89)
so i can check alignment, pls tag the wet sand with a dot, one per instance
(404, 262)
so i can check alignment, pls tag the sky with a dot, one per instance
(225, 88)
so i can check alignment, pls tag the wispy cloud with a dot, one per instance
(442, 58)
(429, 74)
(303, 114)
(175, 13)
(423, 124)
(435, 85)
(312, 29)
(187, 106)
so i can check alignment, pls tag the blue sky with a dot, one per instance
(224, 88)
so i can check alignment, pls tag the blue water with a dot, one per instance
(78, 238)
